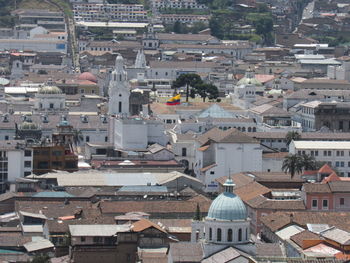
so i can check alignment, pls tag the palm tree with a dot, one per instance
(309, 162)
(292, 136)
(292, 164)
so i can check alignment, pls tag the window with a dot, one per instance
(184, 151)
(6, 137)
(342, 201)
(240, 234)
(120, 107)
(27, 164)
(229, 235)
(210, 233)
(82, 239)
(329, 153)
(27, 153)
(106, 139)
(314, 204)
(51, 105)
(98, 239)
(57, 153)
(325, 204)
(337, 164)
(218, 235)
(87, 138)
(27, 174)
(341, 164)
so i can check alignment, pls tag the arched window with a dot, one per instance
(210, 233)
(240, 234)
(243, 129)
(229, 235)
(246, 234)
(249, 129)
(218, 235)
(254, 129)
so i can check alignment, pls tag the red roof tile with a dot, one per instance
(325, 169)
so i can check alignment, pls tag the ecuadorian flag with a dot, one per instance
(174, 100)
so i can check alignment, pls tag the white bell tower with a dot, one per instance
(119, 91)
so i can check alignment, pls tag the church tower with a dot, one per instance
(119, 91)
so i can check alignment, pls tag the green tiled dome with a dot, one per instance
(227, 206)
(249, 81)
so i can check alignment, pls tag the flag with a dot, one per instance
(174, 100)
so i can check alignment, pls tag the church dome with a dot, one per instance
(227, 206)
(88, 76)
(50, 90)
(249, 81)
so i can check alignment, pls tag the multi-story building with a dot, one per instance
(59, 155)
(307, 115)
(330, 196)
(109, 12)
(334, 115)
(335, 153)
(221, 152)
(184, 18)
(16, 160)
(178, 4)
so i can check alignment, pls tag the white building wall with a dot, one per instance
(272, 164)
(15, 164)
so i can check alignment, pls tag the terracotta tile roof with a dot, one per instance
(262, 202)
(156, 207)
(325, 169)
(304, 235)
(316, 188)
(186, 252)
(339, 186)
(240, 179)
(331, 178)
(204, 169)
(279, 220)
(143, 224)
(229, 136)
(203, 148)
(251, 191)
(269, 250)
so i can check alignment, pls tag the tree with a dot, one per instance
(308, 162)
(292, 136)
(206, 90)
(198, 215)
(187, 80)
(292, 164)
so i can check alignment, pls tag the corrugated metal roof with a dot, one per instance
(331, 145)
(33, 215)
(289, 231)
(53, 194)
(97, 230)
(144, 188)
(32, 228)
(38, 245)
